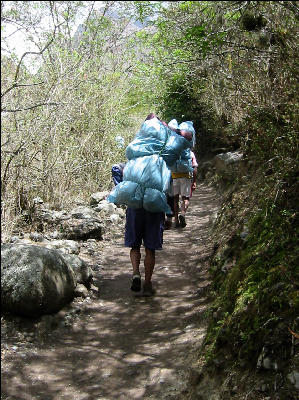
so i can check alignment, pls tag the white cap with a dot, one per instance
(173, 124)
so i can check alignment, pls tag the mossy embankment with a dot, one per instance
(253, 321)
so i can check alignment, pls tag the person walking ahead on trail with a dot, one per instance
(142, 225)
(183, 185)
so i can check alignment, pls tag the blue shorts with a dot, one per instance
(146, 226)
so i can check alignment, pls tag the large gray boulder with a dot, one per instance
(34, 280)
(82, 229)
(95, 198)
(228, 165)
(83, 272)
(83, 212)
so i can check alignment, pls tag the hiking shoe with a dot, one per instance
(182, 221)
(148, 290)
(136, 283)
(177, 225)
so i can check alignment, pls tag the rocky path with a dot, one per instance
(124, 347)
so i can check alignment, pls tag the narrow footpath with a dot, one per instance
(124, 347)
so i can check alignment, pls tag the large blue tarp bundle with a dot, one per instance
(188, 126)
(156, 138)
(146, 176)
(184, 163)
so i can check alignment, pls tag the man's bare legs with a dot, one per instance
(176, 209)
(184, 205)
(149, 264)
(135, 257)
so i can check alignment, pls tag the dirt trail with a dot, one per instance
(124, 347)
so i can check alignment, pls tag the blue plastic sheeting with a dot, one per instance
(143, 147)
(127, 193)
(184, 163)
(149, 140)
(149, 171)
(155, 138)
(174, 147)
(146, 176)
(155, 201)
(188, 126)
(145, 181)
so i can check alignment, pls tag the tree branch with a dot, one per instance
(15, 84)
(20, 85)
(30, 108)
(33, 52)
